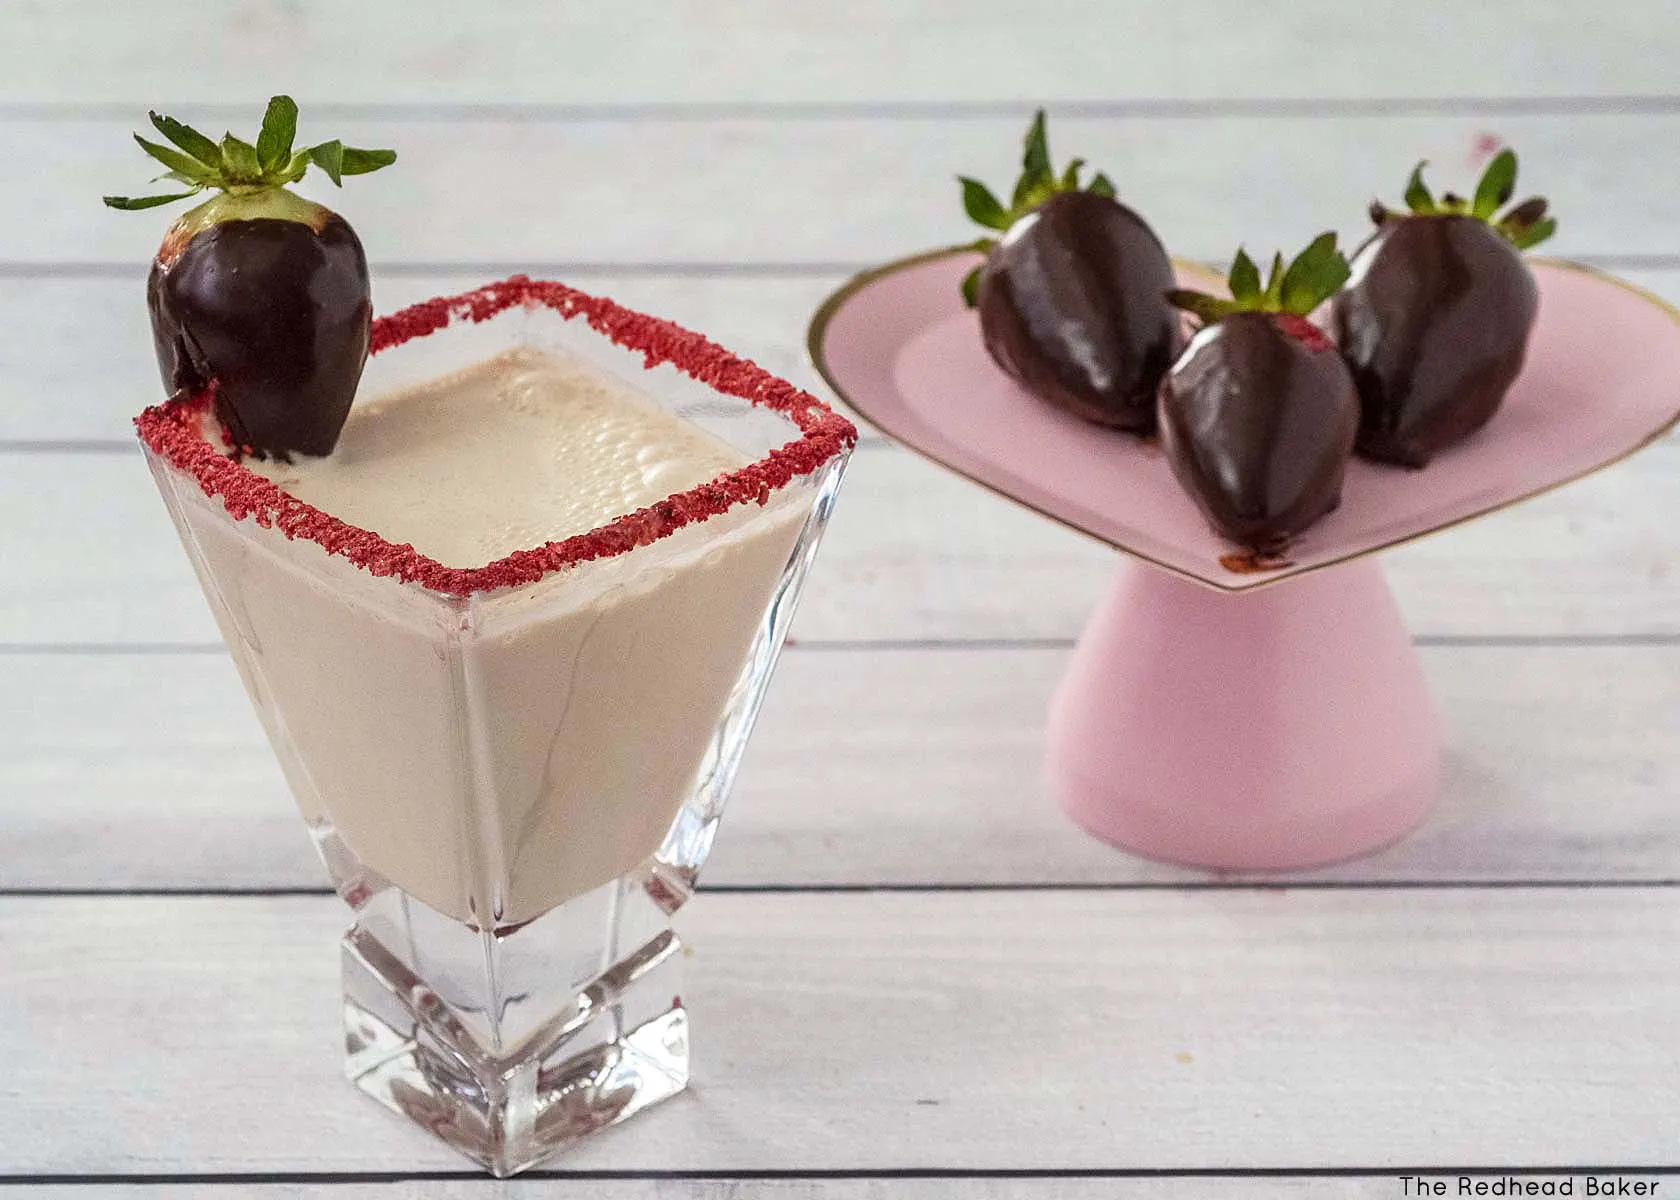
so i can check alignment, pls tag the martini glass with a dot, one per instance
(515, 773)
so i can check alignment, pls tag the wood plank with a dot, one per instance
(914, 552)
(57, 387)
(868, 768)
(857, 190)
(1597, 556)
(1072, 1030)
(673, 52)
(919, 551)
(50, 395)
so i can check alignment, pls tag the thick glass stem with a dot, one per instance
(497, 1048)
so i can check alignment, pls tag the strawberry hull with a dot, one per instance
(276, 313)
(1073, 305)
(1258, 424)
(1435, 329)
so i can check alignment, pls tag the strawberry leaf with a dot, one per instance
(329, 156)
(1037, 183)
(295, 169)
(188, 139)
(236, 165)
(279, 129)
(971, 281)
(1494, 190)
(1029, 193)
(1534, 234)
(240, 159)
(1035, 154)
(1207, 309)
(1317, 273)
(183, 166)
(1526, 225)
(1244, 280)
(1418, 198)
(1297, 287)
(361, 162)
(1273, 296)
(1524, 214)
(982, 207)
(132, 203)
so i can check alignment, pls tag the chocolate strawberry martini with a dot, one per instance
(507, 620)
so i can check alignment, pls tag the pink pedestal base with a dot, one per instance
(1284, 728)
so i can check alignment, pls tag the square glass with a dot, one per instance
(514, 773)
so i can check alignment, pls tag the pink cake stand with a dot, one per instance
(1219, 712)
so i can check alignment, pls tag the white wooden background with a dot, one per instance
(913, 978)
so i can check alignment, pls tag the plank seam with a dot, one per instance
(867, 440)
(1438, 641)
(1072, 108)
(722, 268)
(188, 892)
(844, 1173)
(800, 269)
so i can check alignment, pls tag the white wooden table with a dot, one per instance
(913, 977)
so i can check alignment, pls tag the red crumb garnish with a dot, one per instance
(1252, 562)
(1303, 331)
(173, 431)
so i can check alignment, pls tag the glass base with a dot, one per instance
(512, 1081)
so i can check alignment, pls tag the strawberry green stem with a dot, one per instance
(1293, 289)
(1524, 224)
(242, 169)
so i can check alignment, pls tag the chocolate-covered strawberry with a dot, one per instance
(1258, 416)
(1435, 324)
(1072, 298)
(258, 290)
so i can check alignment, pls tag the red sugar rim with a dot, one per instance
(172, 431)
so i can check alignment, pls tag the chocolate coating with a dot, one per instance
(1073, 305)
(1259, 427)
(1435, 327)
(279, 315)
